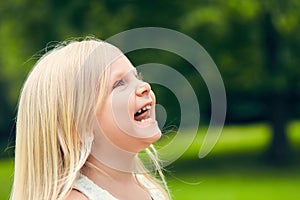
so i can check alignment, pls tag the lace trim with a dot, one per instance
(91, 190)
(94, 192)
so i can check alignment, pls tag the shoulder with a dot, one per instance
(76, 195)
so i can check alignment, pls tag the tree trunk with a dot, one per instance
(276, 101)
(279, 150)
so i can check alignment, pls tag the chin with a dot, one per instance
(155, 137)
(147, 141)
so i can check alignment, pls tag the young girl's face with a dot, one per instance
(127, 115)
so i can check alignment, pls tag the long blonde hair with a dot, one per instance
(54, 121)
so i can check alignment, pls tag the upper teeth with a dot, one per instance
(148, 107)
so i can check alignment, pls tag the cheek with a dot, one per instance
(152, 96)
(110, 129)
(122, 106)
(105, 118)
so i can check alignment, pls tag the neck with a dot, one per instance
(122, 185)
(94, 167)
(108, 155)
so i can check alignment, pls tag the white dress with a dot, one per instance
(94, 192)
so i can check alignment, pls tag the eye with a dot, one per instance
(118, 83)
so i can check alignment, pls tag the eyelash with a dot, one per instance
(121, 82)
(118, 83)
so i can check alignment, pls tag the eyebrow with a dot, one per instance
(119, 75)
(135, 70)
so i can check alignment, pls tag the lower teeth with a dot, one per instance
(144, 120)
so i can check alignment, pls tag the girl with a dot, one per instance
(83, 117)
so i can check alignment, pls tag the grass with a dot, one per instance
(236, 169)
(241, 185)
(6, 172)
(233, 170)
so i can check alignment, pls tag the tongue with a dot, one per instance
(141, 116)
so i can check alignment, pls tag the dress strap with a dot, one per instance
(156, 194)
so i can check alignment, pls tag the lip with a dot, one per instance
(145, 123)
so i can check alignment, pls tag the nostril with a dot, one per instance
(143, 89)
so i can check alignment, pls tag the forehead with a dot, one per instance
(120, 67)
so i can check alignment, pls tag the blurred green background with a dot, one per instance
(256, 46)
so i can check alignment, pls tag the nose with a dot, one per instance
(143, 88)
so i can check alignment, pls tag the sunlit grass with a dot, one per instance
(247, 138)
(252, 138)
(243, 138)
(294, 134)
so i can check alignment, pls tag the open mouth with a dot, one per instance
(143, 114)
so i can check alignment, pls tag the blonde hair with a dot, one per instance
(55, 116)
